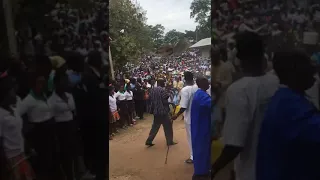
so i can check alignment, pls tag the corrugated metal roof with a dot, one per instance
(202, 42)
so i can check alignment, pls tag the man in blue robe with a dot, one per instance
(201, 130)
(289, 140)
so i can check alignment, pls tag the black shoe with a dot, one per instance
(171, 144)
(149, 144)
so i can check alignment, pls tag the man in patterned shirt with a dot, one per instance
(160, 110)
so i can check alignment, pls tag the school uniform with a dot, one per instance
(114, 109)
(65, 130)
(130, 104)
(42, 136)
(123, 108)
(12, 143)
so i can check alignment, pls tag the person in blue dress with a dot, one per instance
(201, 130)
(289, 139)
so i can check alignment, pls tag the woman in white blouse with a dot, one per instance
(123, 108)
(63, 105)
(40, 117)
(11, 139)
(130, 105)
(115, 117)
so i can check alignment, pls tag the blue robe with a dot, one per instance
(289, 139)
(201, 132)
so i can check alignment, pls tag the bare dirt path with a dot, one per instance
(131, 160)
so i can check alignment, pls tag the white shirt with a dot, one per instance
(11, 132)
(62, 110)
(112, 103)
(37, 110)
(313, 92)
(209, 91)
(246, 101)
(129, 95)
(186, 101)
(120, 96)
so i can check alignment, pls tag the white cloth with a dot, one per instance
(186, 94)
(112, 103)
(128, 95)
(313, 92)
(246, 101)
(188, 130)
(62, 110)
(37, 110)
(11, 132)
(120, 96)
(209, 91)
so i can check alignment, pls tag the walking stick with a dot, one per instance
(168, 147)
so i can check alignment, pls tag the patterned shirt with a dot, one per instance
(159, 101)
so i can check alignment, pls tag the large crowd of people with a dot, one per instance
(283, 24)
(269, 108)
(53, 120)
(130, 93)
(166, 88)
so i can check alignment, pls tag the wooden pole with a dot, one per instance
(6, 5)
(111, 64)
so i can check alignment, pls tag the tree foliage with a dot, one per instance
(131, 36)
(173, 37)
(157, 35)
(201, 11)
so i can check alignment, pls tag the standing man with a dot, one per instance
(185, 103)
(160, 110)
(95, 125)
(246, 101)
(138, 96)
(201, 130)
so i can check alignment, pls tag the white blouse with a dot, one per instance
(11, 132)
(129, 95)
(37, 110)
(112, 103)
(120, 96)
(62, 110)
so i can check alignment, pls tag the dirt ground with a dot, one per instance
(130, 159)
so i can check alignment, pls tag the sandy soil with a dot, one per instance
(131, 160)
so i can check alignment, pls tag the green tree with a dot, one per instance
(157, 34)
(173, 37)
(131, 36)
(191, 35)
(200, 11)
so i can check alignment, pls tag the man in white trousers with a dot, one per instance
(185, 107)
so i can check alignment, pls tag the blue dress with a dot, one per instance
(201, 132)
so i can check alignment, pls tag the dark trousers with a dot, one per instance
(124, 114)
(88, 137)
(167, 127)
(101, 157)
(66, 135)
(44, 143)
(95, 146)
(140, 106)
